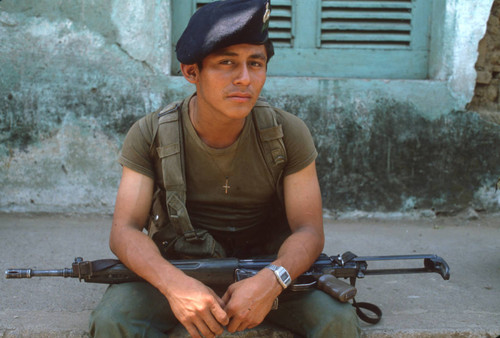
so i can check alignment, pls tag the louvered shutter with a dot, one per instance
(340, 38)
(280, 27)
(365, 24)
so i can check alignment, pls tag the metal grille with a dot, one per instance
(366, 23)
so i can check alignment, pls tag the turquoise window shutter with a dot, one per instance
(341, 38)
(365, 24)
(280, 27)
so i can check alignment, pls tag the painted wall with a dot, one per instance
(74, 75)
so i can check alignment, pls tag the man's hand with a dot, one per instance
(250, 300)
(198, 308)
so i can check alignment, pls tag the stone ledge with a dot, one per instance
(413, 305)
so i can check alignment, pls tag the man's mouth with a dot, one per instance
(240, 96)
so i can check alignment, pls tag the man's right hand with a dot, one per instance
(197, 307)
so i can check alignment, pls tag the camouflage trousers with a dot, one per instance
(140, 310)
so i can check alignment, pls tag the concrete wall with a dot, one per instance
(74, 75)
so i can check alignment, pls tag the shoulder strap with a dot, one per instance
(271, 140)
(170, 152)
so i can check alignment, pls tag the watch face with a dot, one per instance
(281, 274)
(284, 275)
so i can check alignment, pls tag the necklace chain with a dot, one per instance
(226, 185)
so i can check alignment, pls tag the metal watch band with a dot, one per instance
(281, 274)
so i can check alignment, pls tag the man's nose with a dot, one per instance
(243, 75)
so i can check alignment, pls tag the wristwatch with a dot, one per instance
(281, 275)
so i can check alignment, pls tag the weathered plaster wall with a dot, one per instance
(75, 75)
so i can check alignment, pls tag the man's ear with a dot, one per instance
(190, 72)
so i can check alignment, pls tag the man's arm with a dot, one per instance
(196, 306)
(305, 216)
(249, 301)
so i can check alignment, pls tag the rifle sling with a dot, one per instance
(346, 257)
(370, 307)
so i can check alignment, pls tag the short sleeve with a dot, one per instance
(135, 152)
(299, 143)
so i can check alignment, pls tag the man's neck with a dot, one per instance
(214, 133)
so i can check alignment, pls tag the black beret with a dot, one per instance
(221, 24)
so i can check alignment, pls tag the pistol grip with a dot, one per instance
(336, 288)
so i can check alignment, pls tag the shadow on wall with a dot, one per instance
(393, 159)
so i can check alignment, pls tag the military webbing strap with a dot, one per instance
(271, 141)
(170, 152)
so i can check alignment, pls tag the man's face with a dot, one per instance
(231, 80)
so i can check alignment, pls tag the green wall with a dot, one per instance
(74, 76)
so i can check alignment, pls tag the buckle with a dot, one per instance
(191, 236)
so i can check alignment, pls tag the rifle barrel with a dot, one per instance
(29, 273)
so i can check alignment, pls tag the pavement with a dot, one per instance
(418, 305)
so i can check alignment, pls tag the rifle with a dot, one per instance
(217, 273)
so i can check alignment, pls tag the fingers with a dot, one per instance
(208, 322)
(192, 330)
(213, 323)
(209, 327)
(200, 330)
(206, 327)
(235, 325)
(219, 300)
(219, 314)
(227, 296)
(242, 320)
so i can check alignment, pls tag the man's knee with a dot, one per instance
(316, 314)
(345, 323)
(132, 309)
(106, 321)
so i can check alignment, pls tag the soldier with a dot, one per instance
(245, 174)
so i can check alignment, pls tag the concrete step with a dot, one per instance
(423, 305)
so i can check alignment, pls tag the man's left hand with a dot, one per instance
(250, 300)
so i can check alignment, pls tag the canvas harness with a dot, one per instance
(169, 141)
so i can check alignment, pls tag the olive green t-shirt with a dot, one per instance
(239, 169)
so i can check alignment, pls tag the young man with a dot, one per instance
(223, 171)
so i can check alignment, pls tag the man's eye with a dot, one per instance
(226, 62)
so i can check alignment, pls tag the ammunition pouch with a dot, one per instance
(173, 245)
(197, 244)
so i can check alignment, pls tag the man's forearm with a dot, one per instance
(141, 255)
(300, 250)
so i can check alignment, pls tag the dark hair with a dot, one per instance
(268, 45)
